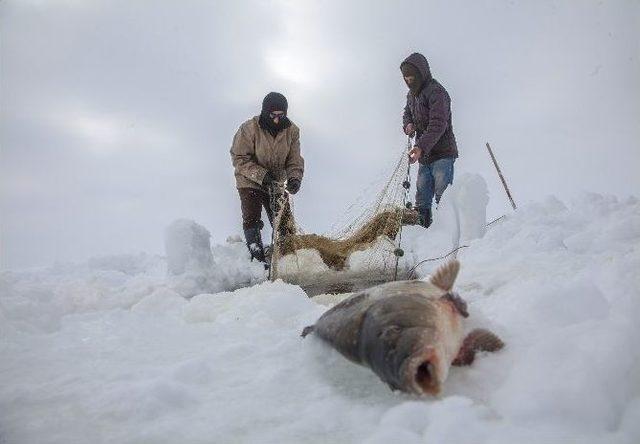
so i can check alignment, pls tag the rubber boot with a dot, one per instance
(425, 218)
(254, 244)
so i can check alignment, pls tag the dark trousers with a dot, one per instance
(251, 203)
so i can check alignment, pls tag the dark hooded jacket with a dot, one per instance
(429, 109)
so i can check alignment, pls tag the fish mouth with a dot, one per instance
(425, 375)
(421, 374)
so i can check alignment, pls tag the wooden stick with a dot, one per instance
(504, 182)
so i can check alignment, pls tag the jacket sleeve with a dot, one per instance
(439, 112)
(406, 116)
(243, 157)
(295, 162)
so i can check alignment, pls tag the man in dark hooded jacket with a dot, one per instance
(428, 116)
(265, 151)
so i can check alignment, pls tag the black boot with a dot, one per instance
(254, 243)
(425, 217)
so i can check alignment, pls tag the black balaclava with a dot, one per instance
(274, 102)
(408, 69)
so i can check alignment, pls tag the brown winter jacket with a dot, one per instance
(430, 112)
(255, 151)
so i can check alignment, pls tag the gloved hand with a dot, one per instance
(293, 185)
(268, 179)
(410, 129)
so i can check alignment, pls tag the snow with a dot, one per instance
(194, 268)
(121, 349)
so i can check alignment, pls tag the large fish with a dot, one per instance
(408, 332)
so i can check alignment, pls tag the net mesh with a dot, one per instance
(372, 229)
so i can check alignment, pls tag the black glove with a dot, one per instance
(268, 179)
(293, 185)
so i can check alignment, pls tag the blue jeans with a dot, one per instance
(432, 180)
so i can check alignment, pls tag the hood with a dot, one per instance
(419, 61)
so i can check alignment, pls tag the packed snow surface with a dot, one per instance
(120, 349)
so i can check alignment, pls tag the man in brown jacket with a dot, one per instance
(265, 152)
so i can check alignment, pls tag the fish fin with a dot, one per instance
(478, 340)
(459, 303)
(308, 329)
(445, 276)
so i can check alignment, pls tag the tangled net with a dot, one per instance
(374, 232)
(334, 252)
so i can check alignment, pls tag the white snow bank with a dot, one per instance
(121, 357)
(36, 300)
(193, 267)
(460, 218)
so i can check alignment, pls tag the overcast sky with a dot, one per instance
(117, 117)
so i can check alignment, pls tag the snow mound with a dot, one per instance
(194, 268)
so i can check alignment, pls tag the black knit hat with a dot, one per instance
(274, 101)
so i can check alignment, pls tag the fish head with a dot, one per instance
(410, 338)
(425, 370)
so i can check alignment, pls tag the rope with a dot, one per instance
(496, 220)
(455, 250)
(407, 185)
(277, 200)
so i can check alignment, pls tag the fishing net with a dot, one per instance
(362, 250)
